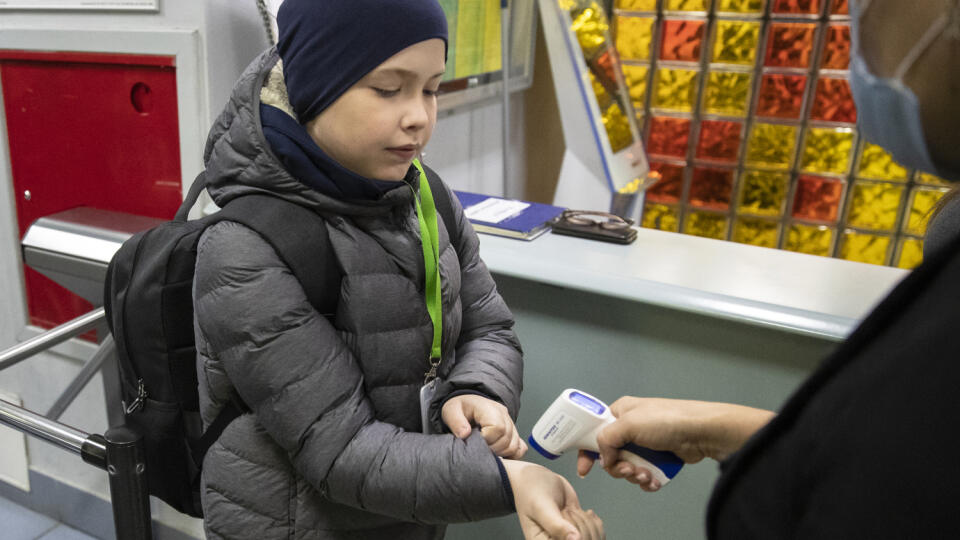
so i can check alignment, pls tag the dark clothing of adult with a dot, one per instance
(866, 447)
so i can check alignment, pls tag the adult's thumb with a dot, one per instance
(455, 419)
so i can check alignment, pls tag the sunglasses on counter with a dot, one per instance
(594, 225)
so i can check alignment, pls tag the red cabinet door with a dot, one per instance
(94, 130)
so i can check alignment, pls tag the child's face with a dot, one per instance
(378, 126)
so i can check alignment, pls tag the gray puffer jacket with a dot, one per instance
(332, 448)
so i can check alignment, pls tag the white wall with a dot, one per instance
(214, 41)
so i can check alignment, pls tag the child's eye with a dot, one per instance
(385, 92)
(431, 93)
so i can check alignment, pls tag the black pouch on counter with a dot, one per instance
(595, 226)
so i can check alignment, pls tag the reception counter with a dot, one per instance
(671, 316)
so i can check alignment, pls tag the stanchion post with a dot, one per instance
(126, 465)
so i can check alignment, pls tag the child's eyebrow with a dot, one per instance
(403, 73)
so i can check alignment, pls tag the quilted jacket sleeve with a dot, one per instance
(306, 389)
(489, 360)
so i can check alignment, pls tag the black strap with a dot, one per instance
(198, 185)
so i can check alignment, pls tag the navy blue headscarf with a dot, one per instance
(329, 45)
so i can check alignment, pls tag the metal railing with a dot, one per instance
(119, 451)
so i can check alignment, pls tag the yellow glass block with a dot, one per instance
(661, 217)
(763, 193)
(930, 179)
(810, 239)
(706, 224)
(740, 6)
(637, 5)
(727, 93)
(735, 42)
(922, 201)
(636, 77)
(756, 232)
(865, 247)
(911, 253)
(618, 128)
(827, 150)
(771, 146)
(875, 205)
(604, 99)
(877, 164)
(634, 37)
(685, 5)
(675, 89)
(590, 26)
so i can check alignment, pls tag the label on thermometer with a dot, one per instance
(561, 426)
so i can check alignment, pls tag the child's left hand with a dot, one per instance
(495, 424)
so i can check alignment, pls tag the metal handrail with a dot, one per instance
(119, 451)
(54, 336)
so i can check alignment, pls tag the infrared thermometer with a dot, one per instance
(575, 419)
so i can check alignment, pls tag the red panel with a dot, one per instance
(88, 130)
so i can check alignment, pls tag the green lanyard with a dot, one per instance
(430, 238)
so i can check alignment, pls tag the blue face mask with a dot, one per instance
(888, 112)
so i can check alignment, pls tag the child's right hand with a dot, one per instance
(494, 420)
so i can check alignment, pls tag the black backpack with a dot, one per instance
(149, 308)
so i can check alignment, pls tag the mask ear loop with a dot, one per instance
(938, 27)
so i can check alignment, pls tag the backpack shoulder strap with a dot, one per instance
(441, 199)
(288, 227)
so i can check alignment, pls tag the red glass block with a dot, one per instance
(711, 188)
(668, 136)
(682, 40)
(833, 101)
(840, 7)
(796, 7)
(719, 140)
(670, 186)
(817, 198)
(836, 50)
(790, 45)
(781, 96)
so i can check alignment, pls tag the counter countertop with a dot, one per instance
(805, 294)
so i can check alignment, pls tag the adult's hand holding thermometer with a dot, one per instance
(576, 418)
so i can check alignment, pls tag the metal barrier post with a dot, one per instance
(126, 464)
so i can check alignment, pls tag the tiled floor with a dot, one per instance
(20, 523)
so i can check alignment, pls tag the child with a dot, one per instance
(333, 446)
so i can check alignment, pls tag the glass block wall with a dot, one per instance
(747, 114)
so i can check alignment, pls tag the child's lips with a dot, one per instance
(405, 152)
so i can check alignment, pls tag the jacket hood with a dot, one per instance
(239, 159)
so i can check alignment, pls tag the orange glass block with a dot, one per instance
(634, 37)
(876, 163)
(719, 140)
(706, 224)
(836, 50)
(675, 89)
(636, 79)
(827, 150)
(727, 93)
(744, 7)
(875, 205)
(865, 247)
(833, 101)
(771, 146)
(735, 42)
(922, 201)
(910, 253)
(810, 239)
(756, 232)
(781, 96)
(817, 199)
(796, 7)
(685, 5)
(711, 188)
(840, 7)
(763, 193)
(669, 136)
(637, 5)
(670, 187)
(661, 217)
(682, 40)
(790, 45)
